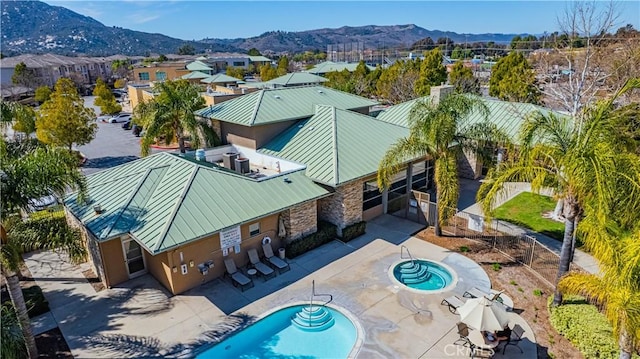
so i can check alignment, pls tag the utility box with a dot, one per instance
(229, 160)
(242, 165)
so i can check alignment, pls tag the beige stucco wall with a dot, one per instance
(113, 260)
(207, 249)
(344, 206)
(252, 137)
(159, 267)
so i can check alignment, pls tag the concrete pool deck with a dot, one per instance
(140, 318)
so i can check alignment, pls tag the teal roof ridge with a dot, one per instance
(256, 108)
(336, 164)
(128, 202)
(175, 209)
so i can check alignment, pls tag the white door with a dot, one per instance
(134, 258)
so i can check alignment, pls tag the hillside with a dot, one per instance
(372, 36)
(36, 27)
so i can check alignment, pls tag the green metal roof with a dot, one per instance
(337, 146)
(259, 59)
(195, 75)
(297, 78)
(165, 200)
(507, 116)
(219, 78)
(329, 66)
(199, 66)
(281, 104)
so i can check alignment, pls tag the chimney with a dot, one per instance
(440, 92)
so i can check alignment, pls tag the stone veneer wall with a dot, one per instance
(300, 220)
(469, 165)
(215, 124)
(344, 207)
(91, 243)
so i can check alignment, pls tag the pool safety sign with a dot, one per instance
(475, 223)
(230, 238)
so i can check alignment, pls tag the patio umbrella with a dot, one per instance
(282, 230)
(484, 314)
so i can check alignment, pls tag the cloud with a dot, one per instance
(141, 19)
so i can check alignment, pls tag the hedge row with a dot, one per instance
(326, 233)
(585, 327)
(353, 231)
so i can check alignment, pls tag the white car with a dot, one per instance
(123, 117)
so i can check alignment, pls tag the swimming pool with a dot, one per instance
(424, 275)
(287, 333)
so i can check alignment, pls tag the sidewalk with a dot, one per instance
(468, 189)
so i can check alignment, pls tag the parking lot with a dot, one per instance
(111, 147)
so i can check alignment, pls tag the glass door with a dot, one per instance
(134, 258)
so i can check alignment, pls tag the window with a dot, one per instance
(161, 76)
(371, 195)
(238, 63)
(254, 229)
(143, 76)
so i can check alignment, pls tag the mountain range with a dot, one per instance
(36, 27)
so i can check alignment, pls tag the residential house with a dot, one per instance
(329, 66)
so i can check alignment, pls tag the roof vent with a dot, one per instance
(320, 91)
(276, 96)
(287, 180)
(98, 209)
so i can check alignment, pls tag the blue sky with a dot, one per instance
(194, 20)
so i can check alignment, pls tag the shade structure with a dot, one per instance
(484, 314)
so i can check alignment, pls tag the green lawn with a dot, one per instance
(526, 210)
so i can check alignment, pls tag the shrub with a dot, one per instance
(464, 249)
(537, 292)
(353, 231)
(12, 341)
(326, 233)
(584, 326)
(35, 300)
(496, 266)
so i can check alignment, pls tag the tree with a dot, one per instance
(170, 114)
(583, 27)
(512, 79)
(63, 120)
(461, 77)
(283, 66)
(22, 118)
(237, 72)
(432, 72)
(162, 58)
(28, 173)
(105, 99)
(267, 72)
(186, 49)
(423, 44)
(121, 67)
(24, 76)
(254, 52)
(440, 132)
(583, 164)
(42, 94)
(397, 83)
(119, 83)
(616, 289)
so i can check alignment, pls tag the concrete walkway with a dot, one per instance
(468, 190)
(141, 319)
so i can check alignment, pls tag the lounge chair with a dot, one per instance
(463, 333)
(237, 277)
(454, 302)
(476, 293)
(515, 338)
(281, 265)
(264, 269)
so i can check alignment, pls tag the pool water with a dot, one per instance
(282, 334)
(422, 275)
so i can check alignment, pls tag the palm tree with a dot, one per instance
(617, 290)
(583, 164)
(440, 132)
(26, 173)
(171, 113)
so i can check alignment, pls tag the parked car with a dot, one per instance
(123, 117)
(39, 204)
(126, 125)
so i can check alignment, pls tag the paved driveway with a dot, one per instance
(140, 319)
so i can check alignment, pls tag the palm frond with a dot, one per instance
(397, 156)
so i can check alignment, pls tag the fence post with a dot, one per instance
(455, 224)
(533, 247)
(495, 234)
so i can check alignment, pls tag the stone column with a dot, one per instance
(469, 165)
(344, 207)
(300, 221)
(385, 200)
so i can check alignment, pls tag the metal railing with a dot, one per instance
(404, 248)
(313, 295)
